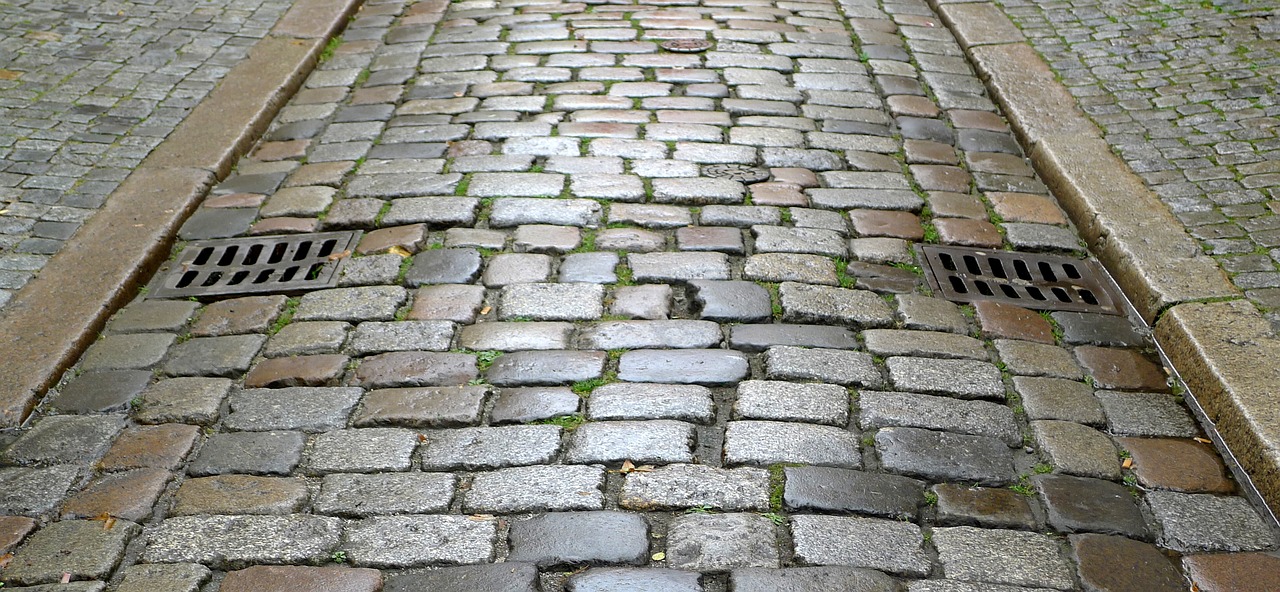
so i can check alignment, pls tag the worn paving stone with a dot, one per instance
(755, 338)
(12, 530)
(428, 407)
(1036, 359)
(578, 538)
(976, 418)
(730, 301)
(252, 314)
(273, 578)
(516, 268)
(928, 344)
(152, 316)
(622, 578)
(1075, 449)
(811, 579)
(255, 453)
(490, 448)
(307, 338)
(677, 267)
(386, 542)
(307, 409)
(1146, 414)
(827, 489)
(1056, 398)
(786, 401)
(763, 443)
(945, 456)
(719, 542)
(791, 267)
(1120, 369)
(374, 303)
(1006, 321)
(240, 494)
(1196, 523)
(457, 303)
(536, 489)
(1079, 328)
(546, 368)
(655, 441)
(185, 400)
(64, 439)
(497, 577)
(610, 335)
(1078, 504)
(375, 337)
(960, 505)
(1002, 557)
(689, 485)
(1223, 572)
(175, 577)
(101, 391)
(365, 450)
(128, 495)
(124, 352)
(1146, 567)
(353, 495)
(1177, 464)
(297, 371)
(33, 492)
(405, 369)
(443, 266)
(692, 366)
(515, 211)
(523, 405)
(966, 379)
(226, 356)
(883, 545)
(81, 548)
(930, 314)
(841, 367)
(637, 401)
(804, 303)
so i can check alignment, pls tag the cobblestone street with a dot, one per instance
(627, 315)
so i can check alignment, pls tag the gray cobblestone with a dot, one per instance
(536, 489)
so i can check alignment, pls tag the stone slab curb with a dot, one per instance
(50, 321)
(1224, 350)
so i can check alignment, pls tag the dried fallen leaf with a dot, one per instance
(342, 255)
(627, 467)
(480, 517)
(108, 522)
(5, 560)
(643, 469)
(1203, 441)
(1128, 463)
(659, 556)
(66, 578)
(422, 438)
(485, 310)
(401, 251)
(10, 74)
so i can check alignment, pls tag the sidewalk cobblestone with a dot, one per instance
(566, 357)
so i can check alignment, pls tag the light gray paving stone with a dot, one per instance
(64, 439)
(848, 368)
(1194, 523)
(194, 400)
(620, 579)
(523, 405)
(791, 267)
(444, 266)
(932, 344)
(436, 210)
(811, 579)
(977, 418)
(656, 441)
(392, 185)
(853, 199)
(677, 334)
(551, 302)
(676, 267)
(651, 302)
(233, 542)
(225, 356)
(1024, 358)
(373, 303)
(551, 488)
(378, 337)
(959, 586)
(761, 337)
(697, 190)
(81, 548)
(611, 186)
(883, 545)
(546, 238)
(1075, 449)
(944, 456)
(592, 268)
(578, 165)
(578, 538)
(804, 303)
(631, 240)
(516, 336)
(116, 352)
(490, 448)
(414, 368)
(255, 453)
(880, 249)
(650, 216)
(415, 541)
(664, 168)
(1057, 398)
(827, 489)
(34, 492)
(515, 211)
(689, 366)
(422, 407)
(763, 443)
(625, 400)
(678, 486)
(629, 149)
(307, 409)
(177, 577)
(546, 368)
(357, 496)
(474, 237)
(788, 401)
(367, 450)
(966, 379)
(492, 577)
(815, 241)
(739, 216)
(718, 542)
(811, 218)
(516, 268)
(307, 338)
(1002, 557)
(548, 146)
(731, 301)
(1146, 414)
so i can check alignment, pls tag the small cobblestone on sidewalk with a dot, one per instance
(567, 356)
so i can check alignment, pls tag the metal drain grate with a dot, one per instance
(289, 263)
(736, 172)
(685, 45)
(1031, 280)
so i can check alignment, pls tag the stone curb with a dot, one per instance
(50, 321)
(1211, 335)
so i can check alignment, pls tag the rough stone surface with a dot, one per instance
(656, 441)
(82, 548)
(498, 577)
(536, 489)
(279, 578)
(763, 443)
(352, 495)
(1193, 523)
(945, 456)
(786, 401)
(413, 541)
(490, 448)
(827, 489)
(1146, 568)
(687, 486)
(824, 365)
(977, 418)
(1002, 557)
(966, 379)
(230, 542)
(882, 545)
(577, 538)
(811, 579)
(719, 542)
(1077, 504)
(624, 400)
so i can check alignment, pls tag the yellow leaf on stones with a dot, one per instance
(627, 467)
(481, 517)
(342, 255)
(10, 74)
(485, 310)
(659, 556)
(1128, 463)
(401, 251)
(1203, 441)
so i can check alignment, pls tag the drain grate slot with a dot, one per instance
(1031, 280)
(289, 263)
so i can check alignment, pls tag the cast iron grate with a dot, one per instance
(736, 172)
(1030, 280)
(288, 263)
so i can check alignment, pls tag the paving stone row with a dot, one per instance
(1184, 93)
(86, 92)
(564, 358)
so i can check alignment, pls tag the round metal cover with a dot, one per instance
(736, 172)
(686, 45)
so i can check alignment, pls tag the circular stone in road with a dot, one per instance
(686, 45)
(736, 172)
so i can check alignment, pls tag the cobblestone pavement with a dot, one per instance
(86, 91)
(562, 358)
(1186, 94)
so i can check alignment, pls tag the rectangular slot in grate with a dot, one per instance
(286, 263)
(1030, 280)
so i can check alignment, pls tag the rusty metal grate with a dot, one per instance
(289, 263)
(1031, 280)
